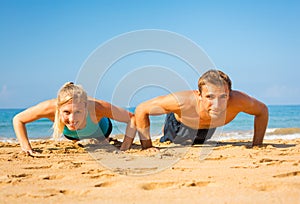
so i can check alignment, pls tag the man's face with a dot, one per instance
(73, 115)
(214, 100)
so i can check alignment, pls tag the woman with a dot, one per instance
(76, 116)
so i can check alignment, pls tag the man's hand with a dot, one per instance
(151, 149)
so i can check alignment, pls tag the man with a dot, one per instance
(194, 114)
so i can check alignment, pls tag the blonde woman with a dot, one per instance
(76, 116)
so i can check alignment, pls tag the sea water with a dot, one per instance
(284, 123)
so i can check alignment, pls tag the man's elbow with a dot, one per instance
(140, 110)
(265, 110)
(263, 113)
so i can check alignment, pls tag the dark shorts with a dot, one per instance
(177, 132)
(104, 130)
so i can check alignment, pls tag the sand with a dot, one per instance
(226, 172)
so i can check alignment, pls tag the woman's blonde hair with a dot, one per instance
(67, 93)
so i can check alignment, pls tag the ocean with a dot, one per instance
(284, 123)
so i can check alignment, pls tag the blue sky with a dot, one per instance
(45, 43)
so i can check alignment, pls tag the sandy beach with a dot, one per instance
(230, 172)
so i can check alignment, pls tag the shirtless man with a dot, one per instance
(195, 114)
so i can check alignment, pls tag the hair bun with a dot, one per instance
(68, 84)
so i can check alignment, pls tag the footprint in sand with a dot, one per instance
(76, 164)
(135, 171)
(264, 187)
(45, 193)
(93, 171)
(74, 192)
(38, 167)
(221, 157)
(19, 175)
(222, 147)
(157, 185)
(182, 169)
(102, 176)
(5, 180)
(160, 185)
(245, 167)
(67, 164)
(268, 161)
(196, 184)
(294, 173)
(98, 173)
(13, 179)
(51, 177)
(104, 184)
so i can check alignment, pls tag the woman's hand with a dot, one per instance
(30, 152)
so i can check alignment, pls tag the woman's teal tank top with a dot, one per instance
(91, 130)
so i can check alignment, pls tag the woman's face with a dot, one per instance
(73, 115)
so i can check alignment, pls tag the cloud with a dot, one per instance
(4, 91)
(282, 94)
(281, 91)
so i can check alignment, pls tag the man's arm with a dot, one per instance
(260, 124)
(260, 111)
(156, 106)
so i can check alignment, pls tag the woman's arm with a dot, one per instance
(42, 110)
(105, 109)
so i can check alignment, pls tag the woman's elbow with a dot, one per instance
(16, 120)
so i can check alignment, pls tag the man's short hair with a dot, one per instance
(215, 77)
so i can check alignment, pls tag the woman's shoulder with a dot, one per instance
(47, 107)
(97, 108)
(97, 103)
(48, 104)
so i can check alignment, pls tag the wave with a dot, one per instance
(271, 134)
(283, 131)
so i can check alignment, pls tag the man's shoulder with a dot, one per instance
(186, 98)
(185, 93)
(239, 100)
(237, 95)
